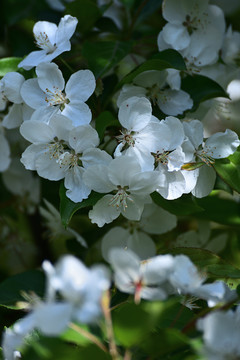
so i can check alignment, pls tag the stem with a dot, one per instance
(67, 65)
(88, 336)
(108, 320)
(127, 355)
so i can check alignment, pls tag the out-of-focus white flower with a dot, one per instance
(147, 279)
(154, 220)
(221, 334)
(54, 224)
(53, 40)
(58, 4)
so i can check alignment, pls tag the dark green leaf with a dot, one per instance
(166, 59)
(201, 88)
(30, 282)
(104, 120)
(163, 344)
(104, 55)
(186, 205)
(106, 24)
(68, 207)
(209, 262)
(9, 64)
(229, 170)
(222, 211)
(86, 11)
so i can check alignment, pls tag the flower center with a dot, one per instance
(55, 149)
(119, 200)
(43, 42)
(126, 137)
(161, 157)
(191, 24)
(205, 157)
(56, 97)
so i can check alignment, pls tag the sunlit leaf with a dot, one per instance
(9, 64)
(229, 170)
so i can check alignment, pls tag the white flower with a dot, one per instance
(47, 146)
(231, 47)
(221, 334)
(58, 4)
(46, 94)
(145, 279)
(83, 153)
(141, 131)
(135, 237)
(4, 150)
(154, 85)
(81, 287)
(219, 145)
(195, 29)
(53, 40)
(187, 280)
(131, 189)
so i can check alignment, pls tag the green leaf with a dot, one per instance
(209, 262)
(30, 282)
(167, 59)
(72, 336)
(173, 340)
(222, 211)
(49, 348)
(104, 55)
(68, 207)
(104, 120)
(131, 324)
(186, 205)
(201, 88)
(86, 11)
(229, 170)
(9, 64)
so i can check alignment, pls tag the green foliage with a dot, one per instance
(12, 289)
(185, 205)
(9, 64)
(103, 121)
(104, 55)
(201, 88)
(212, 264)
(229, 170)
(86, 11)
(68, 207)
(167, 59)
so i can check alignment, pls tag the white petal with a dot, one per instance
(83, 137)
(61, 126)
(12, 83)
(4, 153)
(36, 132)
(14, 117)
(130, 91)
(29, 156)
(156, 220)
(194, 131)
(95, 156)
(32, 94)
(96, 177)
(46, 27)
(122, 170)
(49, 77)
(77, 190)
(205, 181)
(174, 102)
(176, 36)
(66, 28)
(116, 237)
(221, 145)
(78, 112)
(48, 168)
(80, 86)
(135, 113)
(103, 213)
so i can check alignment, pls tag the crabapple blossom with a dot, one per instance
(221, 334)
(135, 236)
(141, 131)
(53, 40)
(47, 146)
(162, 88)
(46, 94)
(147, 279)
(79, 286)
(231, 47)
(219, 145)
(195, 29)
(4, 150)
(130, 185)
